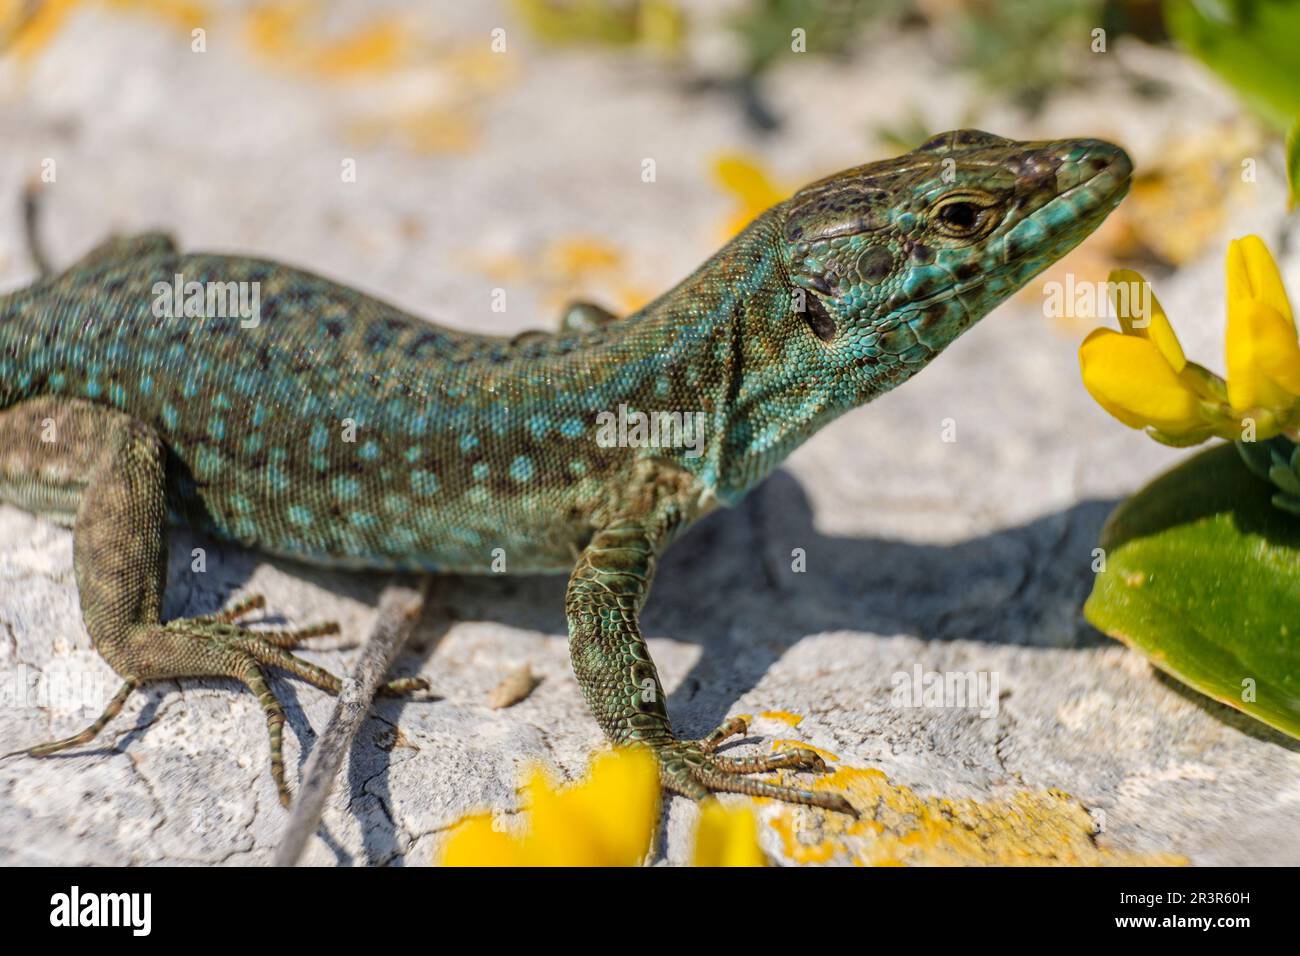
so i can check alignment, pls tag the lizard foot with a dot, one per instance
(214, 645)
(693, 768)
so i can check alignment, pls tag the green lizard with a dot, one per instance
(333, 428)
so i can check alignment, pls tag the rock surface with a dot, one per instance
(958, 556)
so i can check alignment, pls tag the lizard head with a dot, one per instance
(892, 261)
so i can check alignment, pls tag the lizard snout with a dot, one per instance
(1103, 168)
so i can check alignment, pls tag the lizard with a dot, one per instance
(339, 430)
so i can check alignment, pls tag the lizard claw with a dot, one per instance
(693, 769)
(215, 644)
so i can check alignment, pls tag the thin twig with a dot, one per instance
(399, 607)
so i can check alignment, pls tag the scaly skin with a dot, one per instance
(342, 431)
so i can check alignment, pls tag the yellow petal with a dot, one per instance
(1263, 358)
(476, 843)
(746, 180)
(558, 835)
(1140, 313)
(620, 803)
(727, 837)
(1253, 277)
(607, 820)
(1130, 378)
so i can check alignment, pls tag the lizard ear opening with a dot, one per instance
(818, 319)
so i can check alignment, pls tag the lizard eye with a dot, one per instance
(818, 319)
(964, 217)
(959, 215)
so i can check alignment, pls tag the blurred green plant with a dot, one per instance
(1028, 49)
(830, 26)
(1253, 46)
(657, 25)
(1022, 47)
(765, 30)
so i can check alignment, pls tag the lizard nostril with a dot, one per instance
(1103, 157)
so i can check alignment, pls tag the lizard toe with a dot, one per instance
(692, 769)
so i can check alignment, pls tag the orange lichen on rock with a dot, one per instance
(898, 827)
(284, 33)
(826, 755)
(27, 30)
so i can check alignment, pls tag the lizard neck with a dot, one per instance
(783, 396)
(734, 339)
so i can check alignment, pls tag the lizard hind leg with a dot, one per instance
(111, 468)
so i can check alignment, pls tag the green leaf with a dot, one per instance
(1254, 46)
(1202, 576)
(1285, 478)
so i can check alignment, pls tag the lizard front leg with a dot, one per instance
(67, 457)
(619, 681)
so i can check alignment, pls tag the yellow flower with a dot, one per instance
(607, 820)
(1140, 375)
(1263, 356)
(727, 837)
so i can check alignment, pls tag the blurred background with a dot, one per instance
(430, 153)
